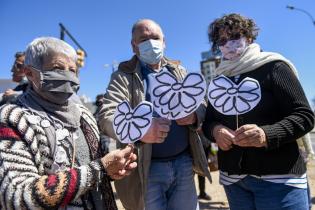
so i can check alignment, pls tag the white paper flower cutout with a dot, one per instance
(231, 99)
(131, 125)
(174, 99)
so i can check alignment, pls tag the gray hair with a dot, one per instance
(139, 22)
(44, 46)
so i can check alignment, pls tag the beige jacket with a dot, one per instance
(127, 84)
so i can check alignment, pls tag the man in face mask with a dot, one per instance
(165, 177)
(148, 43)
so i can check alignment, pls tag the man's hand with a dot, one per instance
(224, 137)
(250, 135)
(120, 163)
(8, 92)
(188, 120)
(158, 131)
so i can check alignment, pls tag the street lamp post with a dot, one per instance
(302, 10)
(64, 31)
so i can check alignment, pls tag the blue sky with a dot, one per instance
(103, 28)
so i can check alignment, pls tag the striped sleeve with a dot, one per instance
(22, 187)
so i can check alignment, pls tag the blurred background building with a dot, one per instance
(209, 62)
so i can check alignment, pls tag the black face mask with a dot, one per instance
(58, 85)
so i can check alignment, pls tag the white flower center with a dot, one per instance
(176, 86)
(128, 116)
(232, 91)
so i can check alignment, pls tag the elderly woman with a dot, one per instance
(257, 111)
(50, 156)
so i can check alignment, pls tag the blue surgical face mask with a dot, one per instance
(151, 51)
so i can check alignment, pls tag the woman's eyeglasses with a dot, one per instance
(222, 41)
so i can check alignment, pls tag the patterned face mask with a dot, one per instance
(233, 48)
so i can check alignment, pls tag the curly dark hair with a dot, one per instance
(229, 27)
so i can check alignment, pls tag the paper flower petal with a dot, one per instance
(222, 82)
(248, 85)
(126, 131)
(242, 105)
(141, 122)
(217, 93)
(124, 107)
(248, 96)
(166, 78)
(225, 99)
(229, 98)
(143, 110)
(161, 90)
(228, 103)
(119, 118)
(174, 101)
(120, 127)
(188, 100)
(131, 125)
(166, 97)
(134, 132)
(177, 100)
(193, 80)
(193, 91)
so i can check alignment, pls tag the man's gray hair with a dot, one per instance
(44, 46)
(139, 22)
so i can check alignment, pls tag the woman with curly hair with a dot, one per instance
(257, 111)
